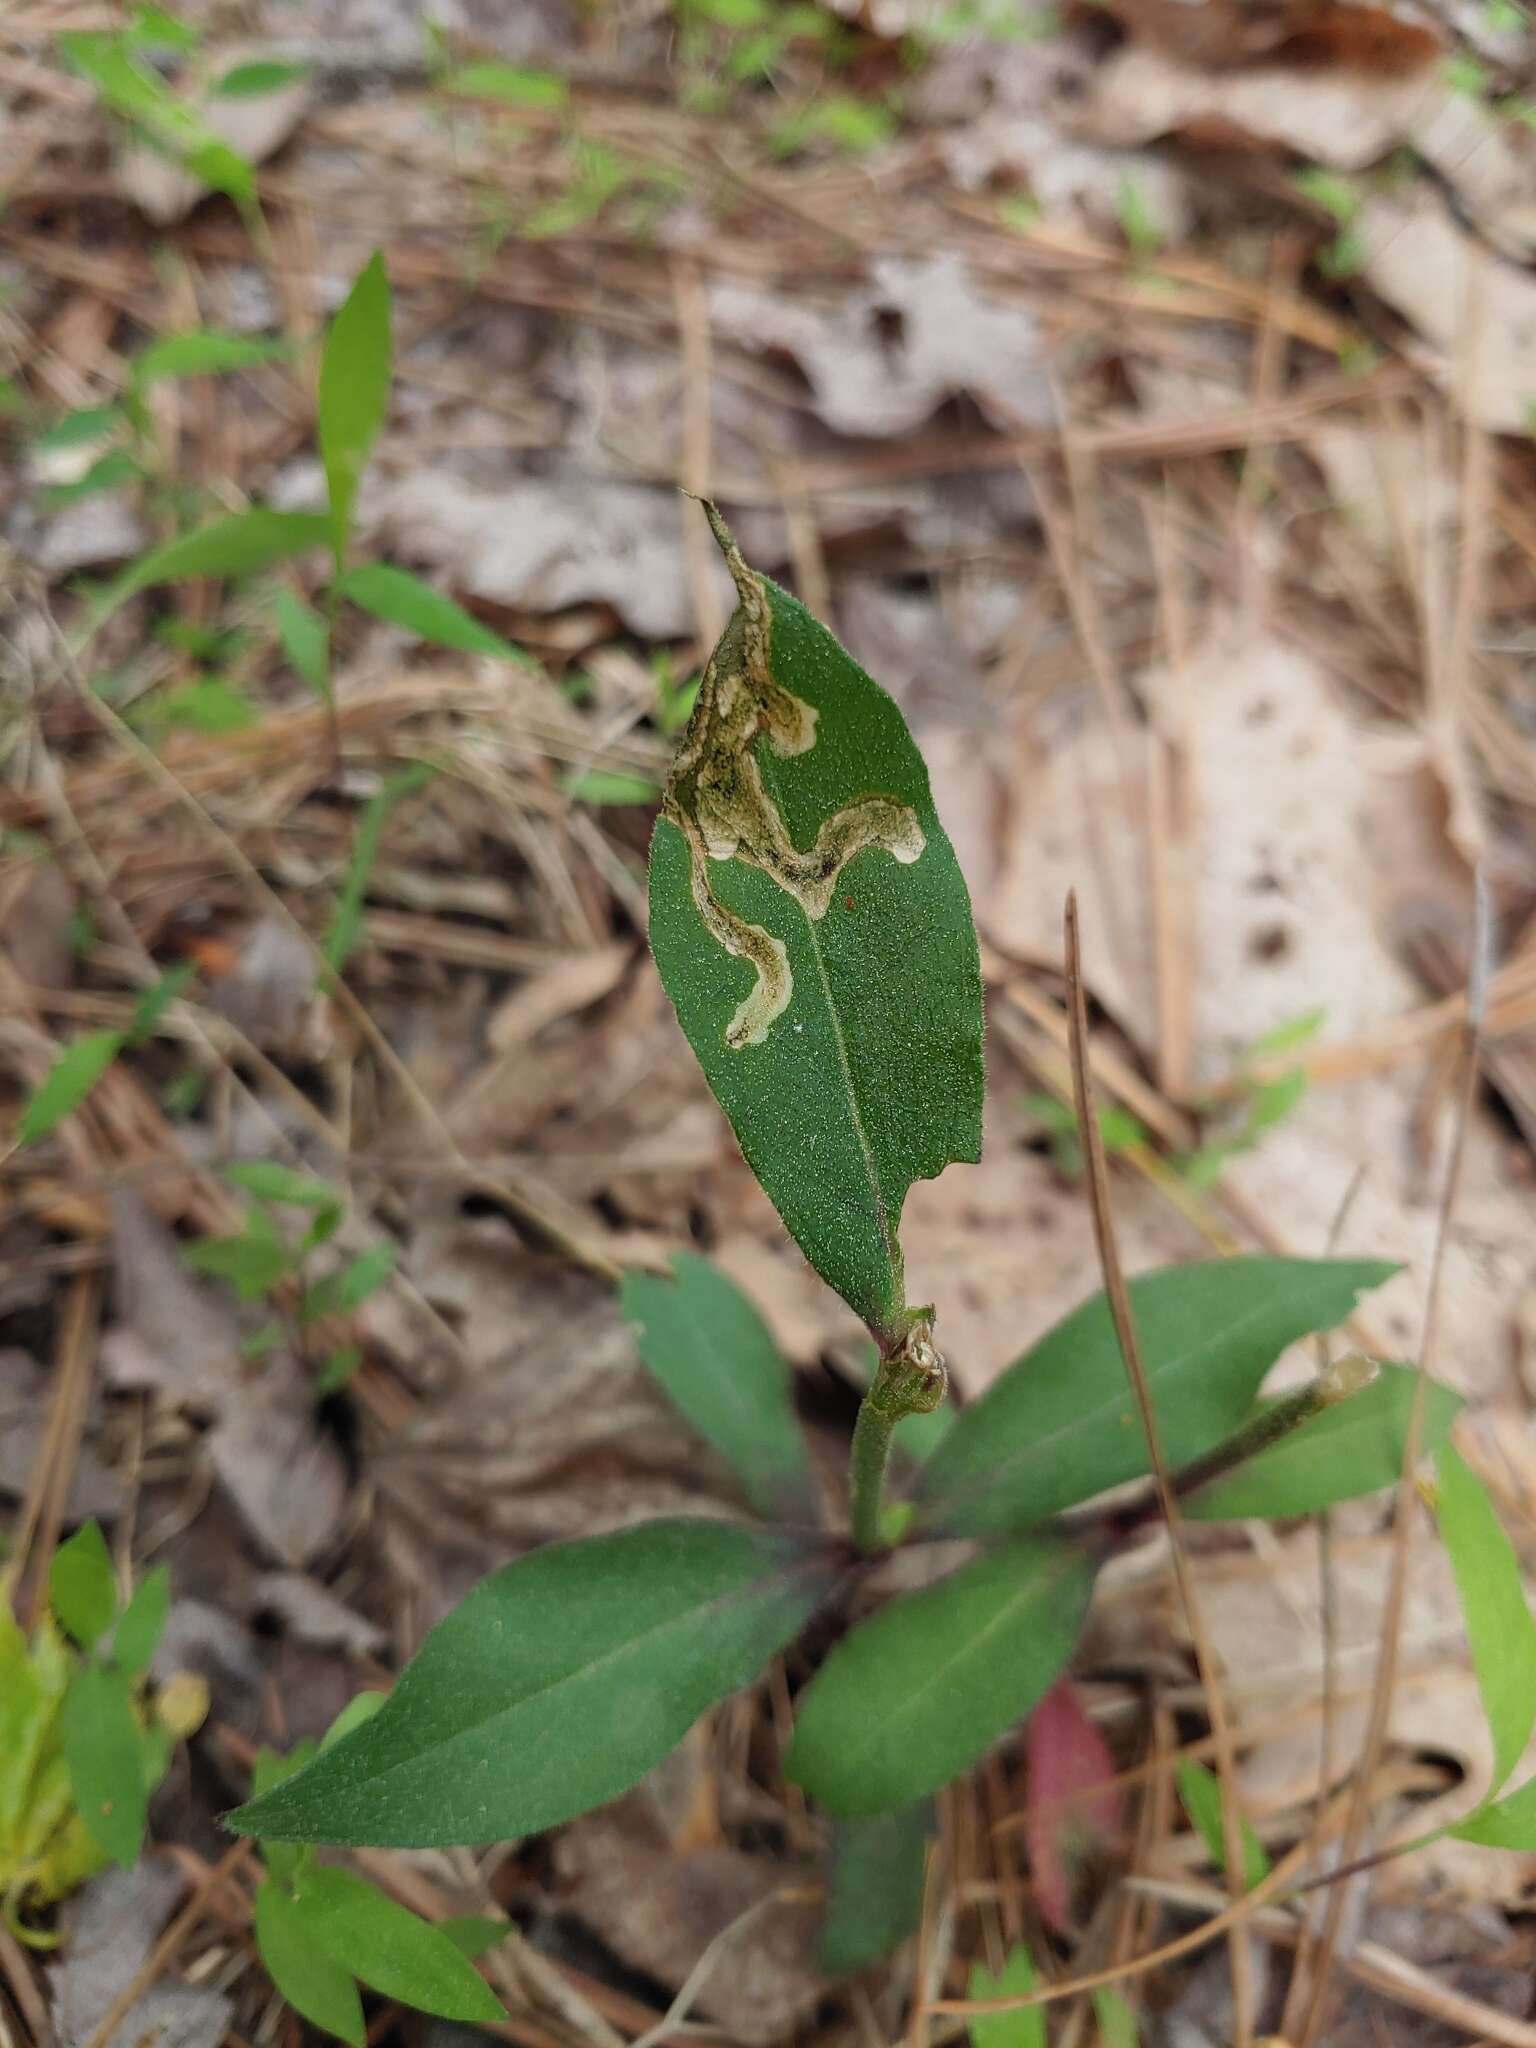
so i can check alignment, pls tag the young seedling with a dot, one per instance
(813, 931)
(83, 1741)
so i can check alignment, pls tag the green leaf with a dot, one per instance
(82, 1586)
(252, 1262)
(26, 1714)
(209, 705)
(236, 545)
(1500, 1632)
(475, 1934)
(875, 1886)
(917, 1693)
(405, 600)
(509, 83)
(390, 1949)
(1117, 2023)
(105, 1759)
(347, 926)
(252, 81)
(1287, 1036)
(1353, 1447)
(203, 353)
(1508, 1823)
(152, 1005)
(354, 392)
(832, 996)
(605, 786)
(359, 1709)
(306, 641)
(274, 1182)
(337, 1368)
(143, 1622)
(67, 1083)
(1022, 2029)
(556, 1684)
(717, 1360)
(338, 1294)
(318, 1987)
(79, 429)
(1200, 1790)
(1061, 1423)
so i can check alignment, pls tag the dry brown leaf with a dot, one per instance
(659, 1909)
(883, 359)
(314, 1614)
(574, 984)
(36, 927)
(285, 1477)
(116, 1919)
(93, 1489)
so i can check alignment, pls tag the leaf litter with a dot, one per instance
(915, 362)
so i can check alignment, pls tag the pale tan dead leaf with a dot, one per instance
(266, 993)
(659, 1909)
(881, 360)
(24, 1414)
(1476, 311)
(286, 1478)
(314, 1614)
(175, 1333)
(574, 984)
(1381, 483)
(35, 929)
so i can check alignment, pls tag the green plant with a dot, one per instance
(83, 1742)
(812, 929)
(1262, 1100)
(264, 1261)
(320, 1929)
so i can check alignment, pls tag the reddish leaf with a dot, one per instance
(1070, 1802)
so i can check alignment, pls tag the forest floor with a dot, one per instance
(1145, 392)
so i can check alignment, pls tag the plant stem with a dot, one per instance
(909, 1380)
(872, 1435)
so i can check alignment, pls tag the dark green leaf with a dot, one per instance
(152, 1005)
(354, 392)
(813, 931)
(875, 1887)
(252, 81)
(285, 1860)
(917, 1693)
(1061, 1424)
(1200, 1790)
(338, 1294)
(1355, 1446)
(509, 83)
(318, 1987)
(67, 1083)
(390, 1949)
(554, 1686)
(203, 354)
(143, 1622)
(1500, 1631)
(236, 545)
(79, 429)
(82, 1586)
(474, 1934)
(104, 1756)
(306, 641)
(359, 1709)
(1022, 2029)
(405, 600)
(716, 1358)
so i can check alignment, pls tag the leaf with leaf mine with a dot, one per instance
(813, 930)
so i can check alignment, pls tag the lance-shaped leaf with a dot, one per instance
(813, 931)
(1351, 1447)
(921, 1690)
(1061, 1424)
(875, 1885)
(553, 1686)
(1500, 1631)
(716, 1358)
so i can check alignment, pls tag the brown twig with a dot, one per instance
(1091, 1140)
